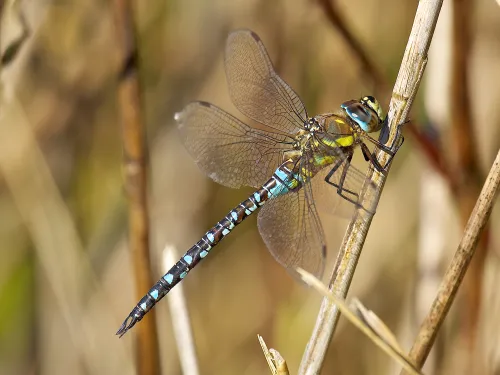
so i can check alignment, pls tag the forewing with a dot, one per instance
(228, 151)
(255, 88)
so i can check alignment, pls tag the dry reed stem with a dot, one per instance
(275, 360)
(405, 89)
(136, 187)
(458, 266)
(374, 328)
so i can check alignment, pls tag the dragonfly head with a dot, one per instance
(365, 112)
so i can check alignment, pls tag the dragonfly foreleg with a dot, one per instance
(389, 150)
(371, 157)
(366, 153)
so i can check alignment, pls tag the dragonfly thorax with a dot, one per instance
(312, 125)
(304, 136)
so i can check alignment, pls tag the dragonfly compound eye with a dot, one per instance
(360, 115)
(373, 104)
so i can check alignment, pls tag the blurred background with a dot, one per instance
(66, 274)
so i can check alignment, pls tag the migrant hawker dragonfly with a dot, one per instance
(286, 159)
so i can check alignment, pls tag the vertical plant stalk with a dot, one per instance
(465, 163)
(458, 266)
(135, 156)
(405, 90)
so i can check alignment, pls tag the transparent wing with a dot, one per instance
(255, 88)
(228, 151)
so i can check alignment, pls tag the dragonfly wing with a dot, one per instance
(228, 151)
(255, 88)
(291, 229)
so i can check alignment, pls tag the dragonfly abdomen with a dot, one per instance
(271, 189)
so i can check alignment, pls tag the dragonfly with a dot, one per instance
(288, 157)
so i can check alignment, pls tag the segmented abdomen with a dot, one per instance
(279, 184)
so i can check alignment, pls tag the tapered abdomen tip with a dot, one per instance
(135, 316)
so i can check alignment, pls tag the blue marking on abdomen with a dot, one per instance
(210, 237)
(198, 251)
(257, 197)
(168, 278)
(282, 176)
(279, 189)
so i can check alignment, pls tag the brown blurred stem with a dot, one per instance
(136, 182)
(458, 266)
(382, 85)
(368, 66)
(465, 164)
(405, 90)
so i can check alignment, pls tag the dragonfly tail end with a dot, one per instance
(129, 322)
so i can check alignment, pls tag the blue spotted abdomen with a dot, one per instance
(280, 183)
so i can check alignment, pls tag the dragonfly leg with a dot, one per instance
(373, 159)
(332, 171)
(366, 153)
(399, 136)
(341, 190)
(388, 150)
